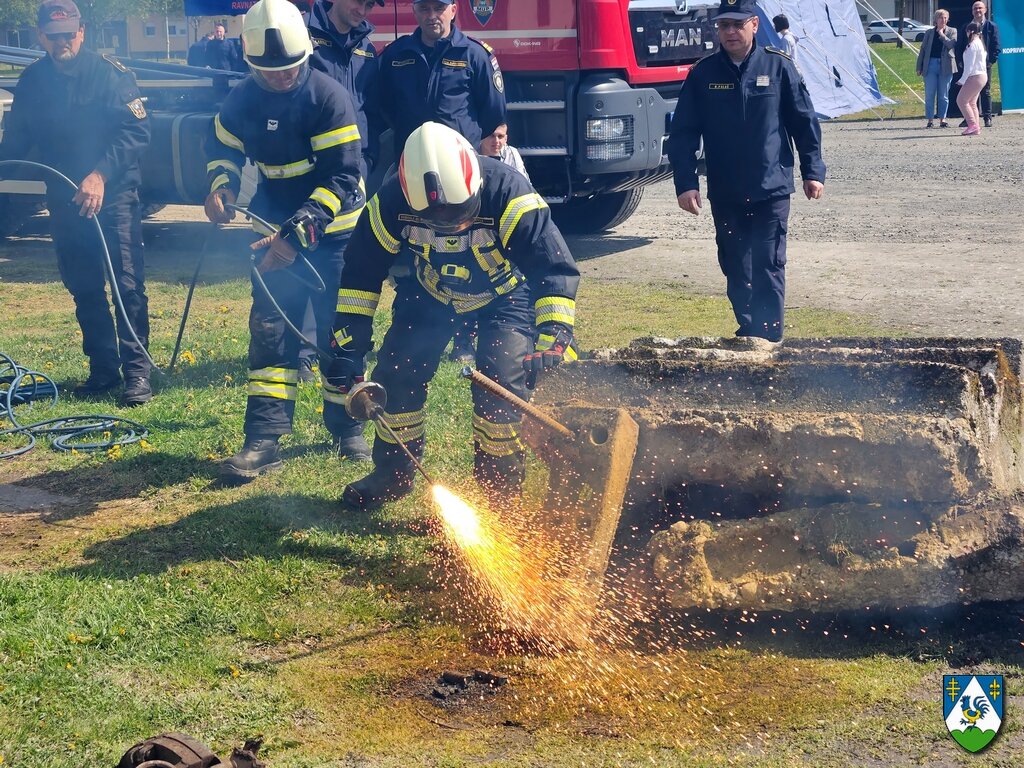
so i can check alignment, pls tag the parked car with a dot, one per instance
(880, 32)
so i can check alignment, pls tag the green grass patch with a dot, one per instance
(150, 600)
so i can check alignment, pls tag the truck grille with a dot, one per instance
(671, 32)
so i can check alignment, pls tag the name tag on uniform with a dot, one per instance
(720, 86)
(763, 81)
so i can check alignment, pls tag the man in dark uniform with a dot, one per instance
(749, 105)
(483, 242)
(439, 74)
(299, 128)
(990, 39)
(196, 56)
(84, 115)
(342, 49)
(222, 52)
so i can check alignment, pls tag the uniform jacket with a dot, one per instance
(511, 241)
(457, 83)
(87, 118)
(989, 36)
(224, 54)
(749, 116)
(949, 44)
(352, 61)
(305, 144)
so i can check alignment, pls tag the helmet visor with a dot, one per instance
(280, 80)
(449, 219)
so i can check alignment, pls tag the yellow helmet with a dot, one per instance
(440, 175)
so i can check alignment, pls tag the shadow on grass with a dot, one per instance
(270, 527)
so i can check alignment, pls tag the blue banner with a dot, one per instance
(1011, 60)
(217, 7)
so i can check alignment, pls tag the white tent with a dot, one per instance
(833, 53)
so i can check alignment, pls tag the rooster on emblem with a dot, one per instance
(971, 716)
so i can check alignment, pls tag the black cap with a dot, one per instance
(737, 9)
(58, 17)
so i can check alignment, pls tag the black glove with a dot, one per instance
(301, 231)
(552, 344)
(343, 372)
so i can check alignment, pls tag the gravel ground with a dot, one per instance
(922, 229)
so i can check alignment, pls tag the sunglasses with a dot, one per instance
(731, 24)
(58, 36)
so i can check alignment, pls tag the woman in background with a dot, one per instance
(973, 79)
(936, 63)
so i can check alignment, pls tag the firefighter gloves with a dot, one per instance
(553, 343)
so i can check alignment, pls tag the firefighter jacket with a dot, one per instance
(305, 144)
(511, 241)
(457, 83)
(749, 116)
(87, 117)
(352, 61)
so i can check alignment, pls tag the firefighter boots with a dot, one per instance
(353, 448)
(258, 456)
(378, 488)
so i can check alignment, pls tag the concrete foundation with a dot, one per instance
(830, 473)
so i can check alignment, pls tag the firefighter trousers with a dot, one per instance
(420, 330)
(274, 349)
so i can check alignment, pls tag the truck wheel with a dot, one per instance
(151, 209)
(15, 210)
(584, 216)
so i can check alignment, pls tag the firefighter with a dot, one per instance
(299, 128)
(483, 241)
(83, 114)
(439, 74)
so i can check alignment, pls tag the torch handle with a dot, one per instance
(529, 410)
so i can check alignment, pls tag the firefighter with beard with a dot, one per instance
(299, 128)
(483, 241)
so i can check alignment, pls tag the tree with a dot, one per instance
(15, 13)
(97, 12)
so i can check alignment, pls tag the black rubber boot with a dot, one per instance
(500, 477)
(354, 448)
(378, 488)
(99, 383)
(136, 391)
(258, 456)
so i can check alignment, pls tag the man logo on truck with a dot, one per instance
(681, 36)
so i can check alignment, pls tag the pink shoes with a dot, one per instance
(971, 130)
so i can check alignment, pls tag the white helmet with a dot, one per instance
(440, 176)
(274, 37)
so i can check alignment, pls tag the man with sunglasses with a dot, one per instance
(749, 105)
(83, 114)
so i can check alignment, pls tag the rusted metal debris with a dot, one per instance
(179, 750)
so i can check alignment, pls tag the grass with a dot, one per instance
(903, 63)
(147, 600)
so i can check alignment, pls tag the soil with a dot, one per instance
(920, 229)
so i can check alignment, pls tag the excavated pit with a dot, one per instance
(819, 473)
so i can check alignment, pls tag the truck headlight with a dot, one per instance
(612, 150)
(609, 128)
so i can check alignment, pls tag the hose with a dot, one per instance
(107, 263)
(22, 386)
(320, 286)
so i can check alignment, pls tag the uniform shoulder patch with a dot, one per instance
(777, 52)
(117, 64)
(137, 108)
(321, 42)
(482, 44)
(367, 53)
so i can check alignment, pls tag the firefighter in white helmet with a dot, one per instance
(483, 241)
(298, 127)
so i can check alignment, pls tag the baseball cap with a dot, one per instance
(57, 17)
(736, 9)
